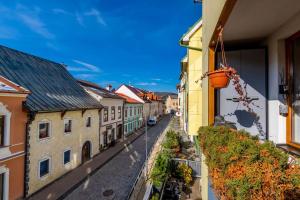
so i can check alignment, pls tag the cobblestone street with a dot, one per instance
(115, 179)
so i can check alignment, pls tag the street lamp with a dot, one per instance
(146, 136)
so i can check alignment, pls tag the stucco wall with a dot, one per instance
(134, 119)
(58, 142)
(211, 11)
(110, 124)
(146, 111)
(194, 72)
(17, 134)
(171, 104)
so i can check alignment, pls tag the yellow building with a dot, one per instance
(192, 86)
(62, 130)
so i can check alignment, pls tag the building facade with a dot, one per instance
(265, 55)
(111, 116)
(133, 115)
(152, 104)
(13, 121)
(191, 71)
(63, 124)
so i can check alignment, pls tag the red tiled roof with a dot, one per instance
(127, 98)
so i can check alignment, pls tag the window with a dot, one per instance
(113, 116)
(68, 125)
(125, 112)
(119, 112)
(67, 157)
(88, 122)
(135, 111)
(2, 120)
(44, 130)
(105, 117)
(130, 111)
(44, 167)
(125, 128)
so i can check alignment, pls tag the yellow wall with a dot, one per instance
(194, 72)
(59, 142)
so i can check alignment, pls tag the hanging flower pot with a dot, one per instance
(219, 78)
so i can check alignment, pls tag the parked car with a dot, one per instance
(152, 121)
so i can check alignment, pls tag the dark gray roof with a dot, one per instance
(52, 87)
(98, 89)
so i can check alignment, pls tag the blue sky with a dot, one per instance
(104, 41)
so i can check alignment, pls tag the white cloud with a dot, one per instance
(156, 79)
(30, 17)
(85, 76)
(95, 13)
(87, 65)
(60, 11)
(146, 84)
(79, 19)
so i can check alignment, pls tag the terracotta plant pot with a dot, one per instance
(219, 78)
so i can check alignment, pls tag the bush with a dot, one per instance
(243, 168)
(162, 168)
(172, 140)
(185, 173)
(155, 196)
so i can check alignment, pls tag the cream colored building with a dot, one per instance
(52, 148)
(63, 120)
(191, 73)
(111, 116)
(171, 104)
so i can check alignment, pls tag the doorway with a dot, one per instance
(86, 152)
(120, 132)
(293, 78)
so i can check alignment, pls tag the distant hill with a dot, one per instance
(166, 94)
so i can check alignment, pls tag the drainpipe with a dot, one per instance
(31, 116)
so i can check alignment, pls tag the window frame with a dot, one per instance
(105, 116)
(49, 130)
(70, 159)
(49, 167)
(119, 112)
(113, 113)
(70, 131)
(88, 122)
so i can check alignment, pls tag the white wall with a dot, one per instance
(276, 48)
(124, 90)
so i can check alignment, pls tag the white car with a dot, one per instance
(152, 121)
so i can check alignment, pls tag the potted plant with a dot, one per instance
(221, 77)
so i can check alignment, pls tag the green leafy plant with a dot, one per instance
(243, 168)
(155, 197)
(185, 173)
(172, 140)
(162, 168)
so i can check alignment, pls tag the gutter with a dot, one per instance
(189, 47)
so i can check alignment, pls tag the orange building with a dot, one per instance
(12, 139)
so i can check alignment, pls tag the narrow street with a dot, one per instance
(115, 179)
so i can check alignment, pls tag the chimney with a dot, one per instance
(108, 87)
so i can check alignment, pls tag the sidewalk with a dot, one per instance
(62, 186)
